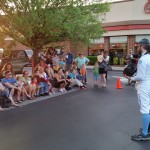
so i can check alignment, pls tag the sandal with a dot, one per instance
(33, 97)
(29, 98)
(15, 105)
(17, 102)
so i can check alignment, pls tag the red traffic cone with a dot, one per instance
(118, 85)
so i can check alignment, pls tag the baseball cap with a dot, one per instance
(144, 42)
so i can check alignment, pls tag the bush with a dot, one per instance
(115, 61)
(92, 59)
(121, 61)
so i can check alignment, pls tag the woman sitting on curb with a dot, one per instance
(30, 89)
(7, 67)
(59, 82)
(43, 82)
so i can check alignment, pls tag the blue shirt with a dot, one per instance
(72, 76)
(81, 61)
(11, 81)
(62, 63)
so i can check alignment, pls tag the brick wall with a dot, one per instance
(106, 43)
(130, 43)
(77, 47)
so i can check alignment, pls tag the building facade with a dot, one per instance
(126, 24)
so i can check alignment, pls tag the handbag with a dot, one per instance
(108, 68)
(102, 64)
(5, 102)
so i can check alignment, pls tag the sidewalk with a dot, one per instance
(115, 68)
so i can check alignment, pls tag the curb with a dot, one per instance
(41, 98)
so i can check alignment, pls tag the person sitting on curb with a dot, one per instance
(43, 82)
(30, 89)
(5, 92)
(11, 84)
(7, 67)
(59, 82)
(74, 80)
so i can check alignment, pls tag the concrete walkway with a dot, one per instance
(115, 68)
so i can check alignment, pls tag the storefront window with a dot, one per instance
(95, 49)
(118, 52)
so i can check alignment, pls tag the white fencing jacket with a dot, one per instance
(143, 76)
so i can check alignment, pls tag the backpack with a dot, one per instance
(5, 102)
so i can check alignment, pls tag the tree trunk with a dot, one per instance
(35, 59)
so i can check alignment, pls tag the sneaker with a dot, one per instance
(64, 89)
(46, 94)
(53, 93)
(140, 137)
(104, 85)
(83, 87)
(50, 94)
(60, 90)
(140, 130)
(128, 84)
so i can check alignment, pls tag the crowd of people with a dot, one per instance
(52, 71)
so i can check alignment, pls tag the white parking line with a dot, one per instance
(122, 79)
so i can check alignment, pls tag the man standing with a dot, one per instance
(143, 90)
(69, 60)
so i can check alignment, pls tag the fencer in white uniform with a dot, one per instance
(143, 90)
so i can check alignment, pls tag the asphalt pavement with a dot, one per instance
(92, 119)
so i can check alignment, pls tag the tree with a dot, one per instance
(36, 23)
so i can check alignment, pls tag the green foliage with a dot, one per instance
(6, 45)
(92, 59)
(121, 60)
(115, 61)
(7, 52)
(36, 23)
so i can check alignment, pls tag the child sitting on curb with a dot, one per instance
(75, 81)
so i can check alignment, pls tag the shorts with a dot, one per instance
(5, 93)
(95, 77)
